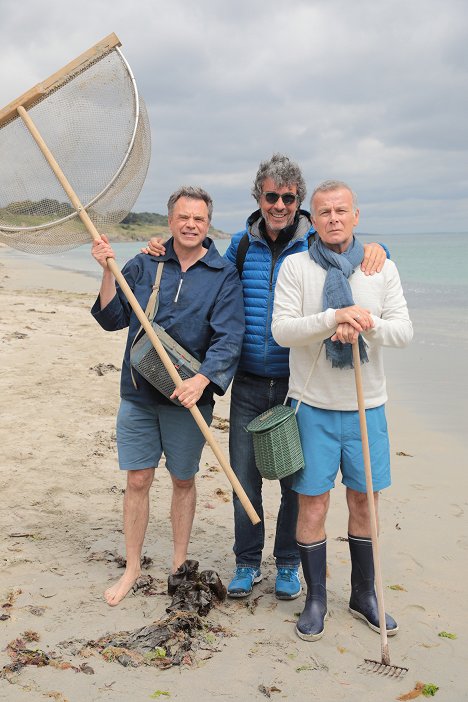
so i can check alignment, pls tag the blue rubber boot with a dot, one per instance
(311, 624)
(243, 581)
(363, 602)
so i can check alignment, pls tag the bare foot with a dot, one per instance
(121, 588)
(176, 565)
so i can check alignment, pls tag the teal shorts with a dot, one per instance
(331, 440)
(145, 432)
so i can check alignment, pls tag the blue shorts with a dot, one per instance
(331, 439)
(145, 432)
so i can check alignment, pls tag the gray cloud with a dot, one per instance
(375, 93)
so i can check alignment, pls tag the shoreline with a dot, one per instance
(60, 485)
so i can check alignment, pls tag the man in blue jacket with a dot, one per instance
(200, 306)
(278, 228)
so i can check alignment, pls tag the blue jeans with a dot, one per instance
(250, 396)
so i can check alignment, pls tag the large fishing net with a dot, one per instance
(96, 125)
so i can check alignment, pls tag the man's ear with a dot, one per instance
(356, 216)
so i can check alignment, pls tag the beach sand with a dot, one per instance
(62, 502)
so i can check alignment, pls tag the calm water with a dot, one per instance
(430, 376)
(430, 265)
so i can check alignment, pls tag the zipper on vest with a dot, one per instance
(274, 261)
(267, 329)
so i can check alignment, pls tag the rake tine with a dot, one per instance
(379, 668)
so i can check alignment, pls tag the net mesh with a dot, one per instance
(97, 129)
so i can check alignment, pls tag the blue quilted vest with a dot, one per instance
(261, 355)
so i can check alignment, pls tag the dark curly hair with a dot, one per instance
(283, 172)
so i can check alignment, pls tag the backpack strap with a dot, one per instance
(243, 247)
(241, 253)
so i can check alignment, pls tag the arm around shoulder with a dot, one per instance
(231, 251)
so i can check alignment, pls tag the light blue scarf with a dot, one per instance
(337, 293)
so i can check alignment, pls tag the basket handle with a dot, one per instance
(307, 381)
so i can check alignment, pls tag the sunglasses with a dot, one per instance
(287, 198)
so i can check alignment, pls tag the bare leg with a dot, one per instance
(136, 513)
(311, 518)
(184, 499)
(359, 517)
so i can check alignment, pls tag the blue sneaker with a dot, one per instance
(243, 581)
(288, 585)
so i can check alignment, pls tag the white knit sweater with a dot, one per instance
(300, 323)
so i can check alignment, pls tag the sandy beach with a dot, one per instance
(61, 510)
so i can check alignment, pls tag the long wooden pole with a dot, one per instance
(370, 501)
(197, 415)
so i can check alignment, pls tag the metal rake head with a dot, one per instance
(384, 669)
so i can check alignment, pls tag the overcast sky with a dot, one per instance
(373, 92)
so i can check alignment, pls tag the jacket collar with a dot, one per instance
(211, 259)
(297, 230)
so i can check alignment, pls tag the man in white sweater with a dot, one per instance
(323, 304)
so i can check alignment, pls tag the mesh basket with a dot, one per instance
(277, 446)
(145, 359)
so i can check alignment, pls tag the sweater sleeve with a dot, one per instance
(393, 327)
(289, 325)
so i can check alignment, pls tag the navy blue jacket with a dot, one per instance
(202, 309)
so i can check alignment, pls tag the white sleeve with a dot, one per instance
(289, 325)
(393, 327)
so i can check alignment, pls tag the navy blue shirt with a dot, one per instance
(202, 309)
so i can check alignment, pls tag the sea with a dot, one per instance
(430, 376)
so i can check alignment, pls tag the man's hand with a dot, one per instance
(374, 258)
(355, 316)
(346, 334)
(191, 390)
(155, 247)
(102, 250)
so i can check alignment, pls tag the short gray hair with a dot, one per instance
(328, 185)
(193, 193)
(283, 172)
